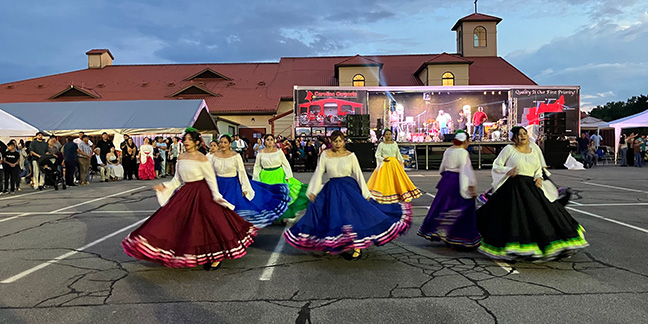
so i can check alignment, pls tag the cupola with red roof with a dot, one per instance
(358, 71)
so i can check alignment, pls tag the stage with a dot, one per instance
(429, 154)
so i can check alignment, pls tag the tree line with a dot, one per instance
(618, 109)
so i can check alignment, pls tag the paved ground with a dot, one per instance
(60, 262)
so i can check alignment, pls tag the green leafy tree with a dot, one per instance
(619, 109)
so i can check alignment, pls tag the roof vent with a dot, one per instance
(100, 85)
(171, 84)
(145, 84)
(231, 83)
(41, 86)
(11, 86)
(261, 83)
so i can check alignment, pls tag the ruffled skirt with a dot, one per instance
(299, 201)
(190, 230)
(389, 184)
(147, 170)
(451, 217)
(341, 219)
(518, 221)
(268, 204)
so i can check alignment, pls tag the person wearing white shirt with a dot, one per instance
(389, 183)
(272, 167)
(257, 202)
(451, 217)
(195, 225)
(522, 218)
(343, 217)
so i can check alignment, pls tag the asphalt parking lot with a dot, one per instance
(61, 262)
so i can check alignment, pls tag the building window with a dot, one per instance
(448, 79)
(479, 36)
(358, 80)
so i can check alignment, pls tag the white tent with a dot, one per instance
(636, 120)
(591, 123)
(10, 126)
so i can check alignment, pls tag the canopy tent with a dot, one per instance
(10, 126)
(593, 123)
(114, 117)
(636, 120)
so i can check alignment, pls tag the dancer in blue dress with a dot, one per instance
(342, 216)
(451, 218)
(257, 202)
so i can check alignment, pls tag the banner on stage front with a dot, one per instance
(409, 157)
(328, 108)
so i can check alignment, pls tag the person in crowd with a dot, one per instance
(461, 121)
(2, 171)
(623, 150)
(451, 217)
(637, 153)
(85, 155)
(596, 138)
(174, 152)
(630, 156)
(311, 156)
(147, 161)
(129, 158)
(258, 146)
(99, 165)
(591, 152)
(389, 183)
(272, 167)
(115, 169)
(195, 225)
(247, 146)
(240, 147)
(287, 150)
(321, 145)
(80, 139)
(643, 149)
(161, 156)
(213, 148)
(479, 118)
(11, 165)
(157, 159)
(104, 146)
(24, 159)
(70, 160)
(257, 202)
(38, 149)
(522, 219)
(583, 151)
(342, 217)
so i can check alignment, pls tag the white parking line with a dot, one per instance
(614, 187)
(266, 275)
(429, 194)
(22, 195)
(77, 205)
(67, 255)
(507, 267)
(609, 220)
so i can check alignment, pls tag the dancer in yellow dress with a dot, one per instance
(389, 183)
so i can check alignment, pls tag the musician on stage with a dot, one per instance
(461, 121)
(443, 119)
(478, 120)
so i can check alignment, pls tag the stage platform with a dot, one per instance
(482, 154)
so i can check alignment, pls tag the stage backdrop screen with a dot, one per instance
(531, 102)
(324, 111)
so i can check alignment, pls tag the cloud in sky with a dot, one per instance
(599, 45)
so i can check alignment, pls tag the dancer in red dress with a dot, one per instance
(195, 225)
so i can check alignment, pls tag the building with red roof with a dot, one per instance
(258, 97)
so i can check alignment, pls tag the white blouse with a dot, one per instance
(146, 152)
(190, 171)
(528, 164)
(458, 160)
(231, 167)
(270, 161)
(387, 150)
(337, 167)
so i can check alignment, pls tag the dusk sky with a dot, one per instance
(600, 45)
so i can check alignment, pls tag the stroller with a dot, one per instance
(51, 167)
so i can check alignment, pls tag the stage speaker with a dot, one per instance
(358, 126)
(365, 152)
(555, 153)
(553, 123)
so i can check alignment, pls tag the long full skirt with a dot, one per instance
(268, 204)
(451, 217)
(147, 170)
(190, 230)
(299, 201)
(518, 221)
(341, 219)
(116, 171)
(389, 184)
